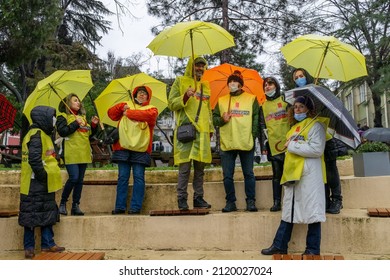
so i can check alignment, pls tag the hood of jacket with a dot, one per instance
(42, 117)
(277, 88)
(134, 95)
(189, 67)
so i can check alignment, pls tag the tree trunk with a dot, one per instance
(376, 97)
(225, 21)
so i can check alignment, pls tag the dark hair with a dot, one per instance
(275, 82)
(311, 113)
(309, 78)
(64, 109)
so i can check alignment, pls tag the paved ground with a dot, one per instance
(185, 255)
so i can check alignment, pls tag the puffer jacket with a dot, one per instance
(39, 207)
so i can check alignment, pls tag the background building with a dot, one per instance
(358, 101)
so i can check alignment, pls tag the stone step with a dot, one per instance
(351, 232)
(358, 193)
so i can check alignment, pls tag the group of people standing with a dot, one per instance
(292, 139)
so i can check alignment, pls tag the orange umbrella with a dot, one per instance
(219, 75)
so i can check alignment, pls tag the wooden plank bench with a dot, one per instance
(306, 257)
(100, 182)
(82, 256)
(263, 177)
(378, 212)
(199, 211)
(7, 214)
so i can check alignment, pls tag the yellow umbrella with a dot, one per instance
(325, 57)
(120, 90)
(193, 37)
(51, 90)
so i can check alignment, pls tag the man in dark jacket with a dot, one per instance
(40, 179)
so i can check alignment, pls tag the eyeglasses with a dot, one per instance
(142, 92)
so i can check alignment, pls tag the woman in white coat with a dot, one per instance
(303, 179)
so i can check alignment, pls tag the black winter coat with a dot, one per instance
(39, 207)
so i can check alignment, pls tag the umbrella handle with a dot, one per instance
(66, 105)
(193, 59)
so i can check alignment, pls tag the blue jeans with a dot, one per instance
(47, 236)
(228, 162)
(122, 188)
(75, 181)
(313, 237)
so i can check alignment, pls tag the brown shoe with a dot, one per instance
(54, 249)
(29, 253)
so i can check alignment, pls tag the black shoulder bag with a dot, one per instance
(187, 132)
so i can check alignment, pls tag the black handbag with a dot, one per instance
(187, 132)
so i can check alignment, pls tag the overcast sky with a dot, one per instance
(135, 37)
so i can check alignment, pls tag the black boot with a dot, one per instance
(276, 207)
(273, 250)
(62, 209)
(251, 205)
(335, 207)
(199, 202)
(182, 204)
(76, 211)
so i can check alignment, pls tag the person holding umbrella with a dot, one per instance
(237, 116)
(333, 149)
(189, 99)
(75, 148)
(303, 179)
(41, 178)
(132, 149)
(273, 128)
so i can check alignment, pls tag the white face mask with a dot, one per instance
(271, 93)
(54, 121)
(233, 88)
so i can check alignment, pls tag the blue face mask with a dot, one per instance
(300, 117)
(300, 82)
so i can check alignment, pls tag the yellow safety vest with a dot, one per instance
(54, 180)
(293, 164)
(134, 135)
(77, 146)
(237, 133)
(275, 116)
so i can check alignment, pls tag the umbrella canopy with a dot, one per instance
(219, 75)
(120, 90)
(379, 134)
(51, 90)
(341, 124)
(7, 113)
(325, 57)
(191, 38)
